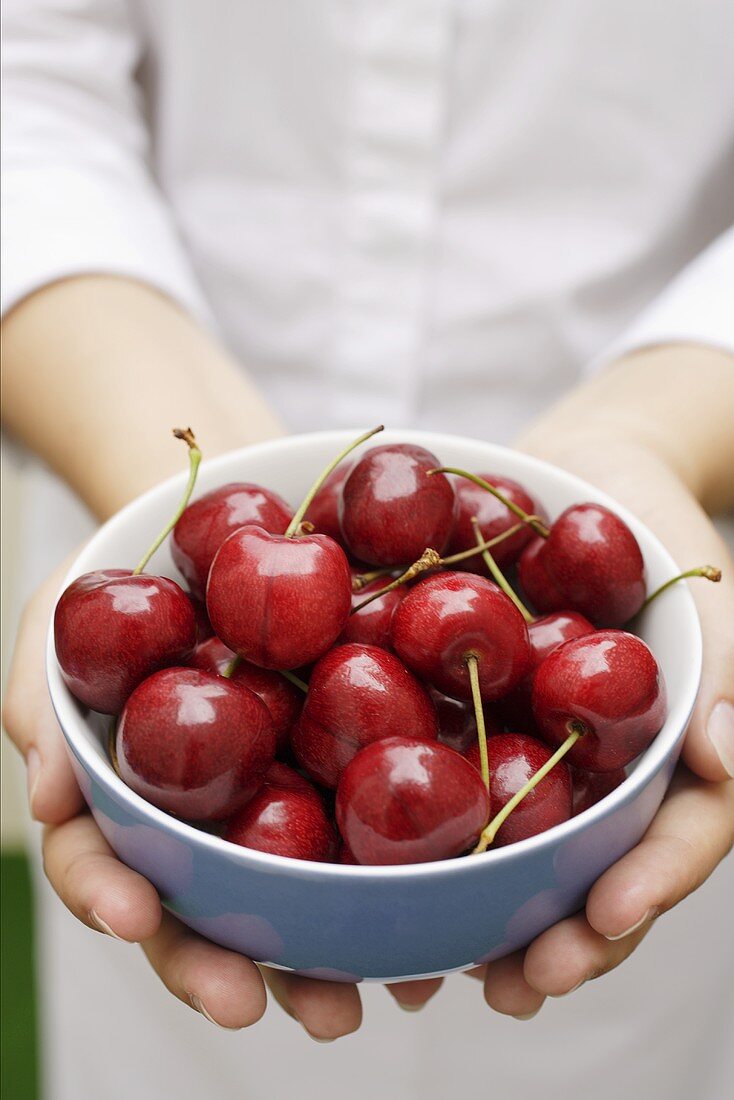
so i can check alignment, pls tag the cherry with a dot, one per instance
(494, 518)
(346, 855)
(448, 618)
(534, 580)
(592, 558)
(203, 626)
(194, 744)
(608, 687)
(282, 699)
(457, 723)
(371, 625)
(286, 818)
(281, 601)
(323, 512)
(391, 510)
(114, 627)
(207, 522)
(404, 801)
(514, 758)
(357, 694)
(590, 787)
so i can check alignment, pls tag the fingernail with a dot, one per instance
(316, 1038)
(198, 1004)
(720, 730)
(408, 1008)
(33, 764)
(526, 1015)
(633, 927)
(102, 925)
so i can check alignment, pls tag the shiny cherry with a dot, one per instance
(535, 582)
(493, 517)
(590, 787)
(279, 602)
(357, 694)
(404, 801)
(207, 522)
(457, 724)
(514, 758)
(323, 511)
(371, 625)
(449, 617)
(595, 561)
(194, 744)
(283, 700)
(391, 510)
(113, 628)
(286, 817)
(608, 685)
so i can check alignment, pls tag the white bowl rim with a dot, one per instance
(72, 720)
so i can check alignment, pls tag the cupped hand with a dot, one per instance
(108, 897)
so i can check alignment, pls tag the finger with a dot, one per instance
(28, 717)
(100, 891)
(412, 996)
(571, 953)
(691, 834)
(326, 1010)
(477, 972)
(507, 991)
(223, 986)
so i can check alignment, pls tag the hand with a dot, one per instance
(108, 897)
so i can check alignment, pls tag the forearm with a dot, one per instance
(674, 404)
(97, 370)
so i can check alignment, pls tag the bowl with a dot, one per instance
(377, 923)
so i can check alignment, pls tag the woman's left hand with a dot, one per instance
(694, 828)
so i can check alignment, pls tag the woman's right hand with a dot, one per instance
(108, 897)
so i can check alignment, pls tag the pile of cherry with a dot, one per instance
(359, 682)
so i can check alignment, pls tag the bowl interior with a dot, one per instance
(670, 626)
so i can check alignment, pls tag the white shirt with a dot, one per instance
(428, 212)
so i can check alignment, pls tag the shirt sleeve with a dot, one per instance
(78, 193)
(696, 308)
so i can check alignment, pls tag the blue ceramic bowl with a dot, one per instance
(378, 923)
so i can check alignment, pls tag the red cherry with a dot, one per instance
(203, 626)
(457, 723)
(279, 602)
(391, 510)
(346, 855)
(592, 557)
(514, 758)
(357, 694)
(283, 700)
(403, 801)
(371, 625)
(286, 818)
(112, 629)
(194, 744)
(449, 617)
(207, 522)
(534, 580)
(323, 511)
(607, 683)
(493, 517)
(590, 787)
(546, 634)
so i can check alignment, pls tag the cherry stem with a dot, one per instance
(296, 680)
(295, 523)
(429, 559)
(237, 660)
(533, 521)
(112, 747)
(499, 575)
(710, 572)
(576, 730)
(194, 459)
(473, 666)
(363, 579)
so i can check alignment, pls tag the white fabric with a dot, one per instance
(427, 212)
